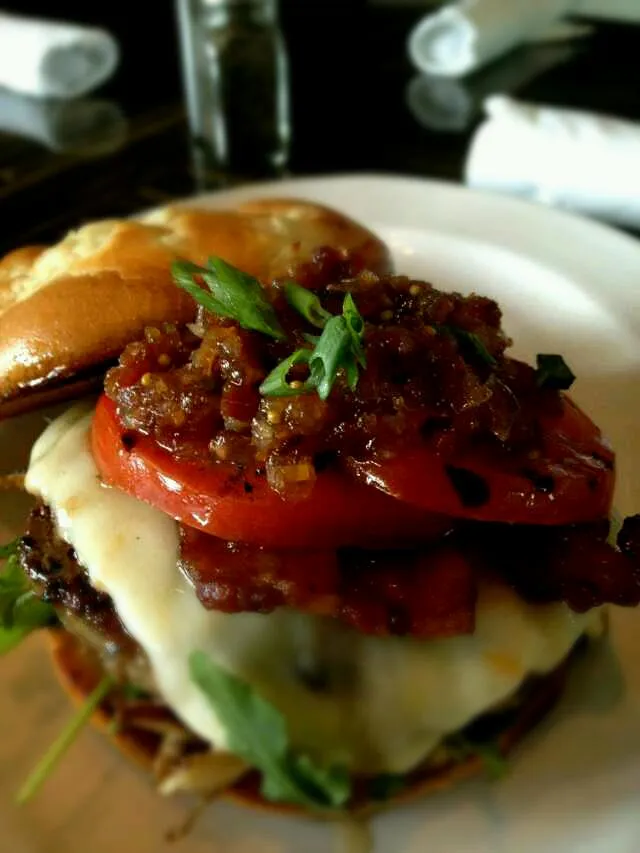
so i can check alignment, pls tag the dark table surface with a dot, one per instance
(357, 105)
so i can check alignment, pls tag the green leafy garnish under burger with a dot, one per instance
(257, 732)
(20, 610)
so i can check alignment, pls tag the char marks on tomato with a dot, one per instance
(236, 503)
(418, 372)
(441, 417)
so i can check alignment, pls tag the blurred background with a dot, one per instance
(210, 93)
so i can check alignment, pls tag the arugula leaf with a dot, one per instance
(20, 610)
(388, 785)
(339, 347)
(553, 372)
(322, 787)
(52, 756)
(233, 294)
(10, 549)
(133, 693)
(257, 732)
(306, 303)
(494, 761)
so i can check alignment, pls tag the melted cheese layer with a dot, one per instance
(374, 704)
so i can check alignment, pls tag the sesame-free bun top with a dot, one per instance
(68, 310)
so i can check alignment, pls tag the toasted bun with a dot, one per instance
(67, 310)
(79, 677)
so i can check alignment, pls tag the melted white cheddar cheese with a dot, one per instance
(374, 704)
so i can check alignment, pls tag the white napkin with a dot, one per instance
(467, 35)
(452, 105)
(52, 58)
(579, 161)
(81, 126)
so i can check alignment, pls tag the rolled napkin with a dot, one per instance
(53, 59)
(83, 126)
(463, 37)
(451, 105)
(574, 160)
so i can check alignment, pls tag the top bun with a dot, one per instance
(67, 311)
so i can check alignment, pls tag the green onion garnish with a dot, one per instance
(306, 303)
(553, 372)
(232, 293)
(339, 347)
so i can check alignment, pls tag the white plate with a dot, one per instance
(567, 286)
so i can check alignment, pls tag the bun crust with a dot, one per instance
(69, 326)
(70, 309)
(79, 678)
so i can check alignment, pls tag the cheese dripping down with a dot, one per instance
(385, 703)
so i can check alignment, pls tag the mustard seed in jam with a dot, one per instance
(436, 373)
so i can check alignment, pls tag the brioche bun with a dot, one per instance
(78, 674)
(67, 311)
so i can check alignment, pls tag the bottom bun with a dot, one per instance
(79, 675)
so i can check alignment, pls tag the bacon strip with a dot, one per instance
(422, 594)
(574, 564)
(429, 593)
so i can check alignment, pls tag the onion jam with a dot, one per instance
(436, 373)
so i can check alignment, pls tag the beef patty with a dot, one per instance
(59, 578)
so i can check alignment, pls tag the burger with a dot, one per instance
(316, 541)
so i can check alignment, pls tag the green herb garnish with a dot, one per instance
(355, 325)
(256, 731)
(277, 385)
(332, 352)
(553, 372)
(50, 759)
(469, 343)
(339, 347)
(21, 611)
(10, 549)
(306, 303)
(232, 293)
(489, 752)
(133, 693)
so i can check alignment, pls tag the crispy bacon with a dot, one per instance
(428, 594)
(575, 564)
(425, 594)
(235, 577)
